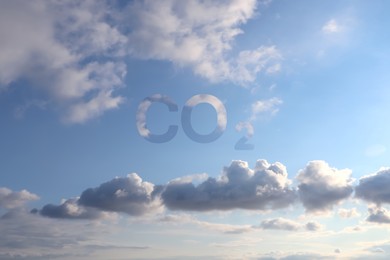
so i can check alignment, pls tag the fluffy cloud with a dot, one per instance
(198, 35)
(378, 215)
(130, 195)
(49, 44)
(375, 188)
(321, 187)
(12, 199)
(74, 52)
(264, 187)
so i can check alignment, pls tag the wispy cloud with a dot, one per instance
(348, 213)
(332, 26)
(260, 108)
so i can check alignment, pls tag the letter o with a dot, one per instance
(186, 118)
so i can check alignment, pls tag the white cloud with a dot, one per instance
(321, 187)
(270, 106)
(143, 109)
(13, 199)
(49, 44)
(348, 213)
(190, 178)
(83, 111)
(245, 125)
(267, 107)
(216, 103)
(198, 35)
(250, 63)
(332, 26)
(73, 52)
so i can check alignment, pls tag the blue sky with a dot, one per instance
(83, 84)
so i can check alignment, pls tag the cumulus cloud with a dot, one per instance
(264, 187)
(128, 194)
(321, 187)
(13, 199)
(375, 187)
(378, 215)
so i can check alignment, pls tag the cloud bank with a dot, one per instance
(265, 187)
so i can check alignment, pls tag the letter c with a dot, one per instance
(141, 119)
